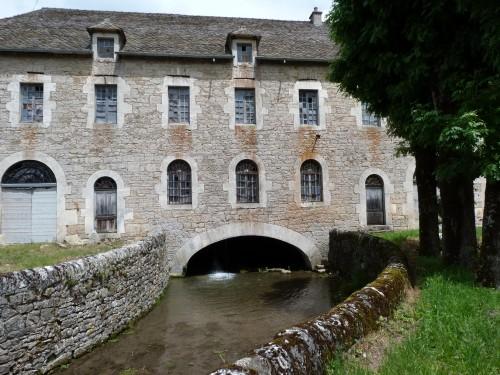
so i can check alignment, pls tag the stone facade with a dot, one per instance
(52, 314)
(136, 150)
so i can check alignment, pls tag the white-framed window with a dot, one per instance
(311, 181)
(180, 190)
(178, 104)
(244, 53)
(244, 100)
(31, 102)
(368, 118)
(106, 48)
(308, 107)
(106, 104)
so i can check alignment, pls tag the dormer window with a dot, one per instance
(106, 48)
(244, 53)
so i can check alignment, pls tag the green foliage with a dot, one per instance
(22, 256)
(457, 330)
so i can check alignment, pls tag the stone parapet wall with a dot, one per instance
(305, 348)
(51, 314)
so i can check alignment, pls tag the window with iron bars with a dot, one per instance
(311, 181)
(308, 104)
(369, 118)
(244, 52)
(245, 106)
(106, 48)
(31, 102)
(179, 183)
(178, 105)
(247, 182)
(105, 104)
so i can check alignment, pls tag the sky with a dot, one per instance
(275, 9)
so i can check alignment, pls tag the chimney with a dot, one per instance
(315, 17)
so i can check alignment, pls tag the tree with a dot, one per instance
(420, 60)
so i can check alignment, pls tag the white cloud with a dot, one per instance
(276, 9)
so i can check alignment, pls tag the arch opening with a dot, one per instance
(246, 253)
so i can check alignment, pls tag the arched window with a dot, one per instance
(311, 181)
(375, 210)
(105, 205)
(247, 182)
(179, 183)
(28, 172)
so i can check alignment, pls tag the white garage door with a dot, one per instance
(29, 215)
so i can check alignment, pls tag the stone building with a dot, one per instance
(114, 123)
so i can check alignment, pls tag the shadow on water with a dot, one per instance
(205, 321)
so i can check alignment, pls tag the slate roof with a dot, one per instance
(65, 31)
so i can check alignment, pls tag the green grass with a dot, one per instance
(398, 237)
(457, 329)
(22, 256)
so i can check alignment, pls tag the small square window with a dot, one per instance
(106, 48)
(105, 104)
(178, 105)
(245, 106)
(308, 107)
(31, 102)
(369, 118)
(244, 52)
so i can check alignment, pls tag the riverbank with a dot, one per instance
(447, 325)
(25, 256)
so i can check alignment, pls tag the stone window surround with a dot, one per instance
(357, 112)
(64, 217)
(409, 208)
(361, 190)
(323, 108)
(123, 91)
(234, 50)
(327, 187)
(114, 36)
(230, 186)
(14, 105)
(196, 187)
(122, 213)
(229, 107)
(194, 109)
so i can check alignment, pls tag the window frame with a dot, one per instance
(304, 118)
(37, 102)
(314, 182)
(369, 118)
(248, 112)
(247, 182)
(183, 182)
(183, 101)
(99, 48)
(240, 54)
(110, 116)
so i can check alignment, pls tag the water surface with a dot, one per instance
(203, 321)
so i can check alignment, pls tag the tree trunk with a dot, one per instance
(427, 202)
(489, 267)
(459, 222)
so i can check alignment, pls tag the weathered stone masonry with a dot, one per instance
(51, 314)
(136, 150)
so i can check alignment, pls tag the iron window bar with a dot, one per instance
(247, 182)
(311, 181)
(179, 183)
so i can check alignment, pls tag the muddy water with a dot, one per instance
(203, 321)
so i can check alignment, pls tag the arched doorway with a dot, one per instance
(29, 203)
(375, 207)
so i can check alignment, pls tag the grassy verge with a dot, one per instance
(453, 327)
(22, 256)
(398, 237)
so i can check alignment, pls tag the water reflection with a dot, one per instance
(204, 321)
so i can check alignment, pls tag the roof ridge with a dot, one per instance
(163, 14)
